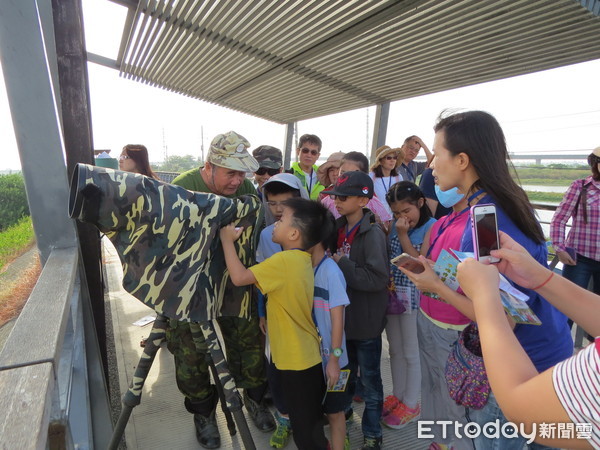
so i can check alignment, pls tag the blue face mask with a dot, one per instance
(448, 198)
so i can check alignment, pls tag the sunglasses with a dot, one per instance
(124, 157)
(390, 157)
(308, 150)
(263, 170)
(341, 198)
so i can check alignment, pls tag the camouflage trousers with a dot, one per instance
(244, 351)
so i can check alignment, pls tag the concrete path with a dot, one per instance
(161, 421)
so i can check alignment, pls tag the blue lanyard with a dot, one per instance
(310, 178)
(389, 185)
(409, 172)
(449, 220)
(348, 233)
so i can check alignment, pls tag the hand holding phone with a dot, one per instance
(408, 262)
(484, 227)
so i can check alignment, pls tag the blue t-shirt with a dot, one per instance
(330, 291)
(266, 249)
(551, 342)
(266, 246)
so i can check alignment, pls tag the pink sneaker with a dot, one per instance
(389, 404)
(436, 446)
(401, 416)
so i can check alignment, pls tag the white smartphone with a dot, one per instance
(484, 226)
(408, 262)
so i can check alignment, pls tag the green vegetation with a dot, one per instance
(13, 200)
(544, 197)
(14, 239)
(177, 163)
(551, 175)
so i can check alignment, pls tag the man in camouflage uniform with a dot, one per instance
(224, 173)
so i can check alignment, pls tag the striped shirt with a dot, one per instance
(582, 237)
(577, 385)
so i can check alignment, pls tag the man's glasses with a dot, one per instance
(264, 170)
(390, 157)
(124, 157)
(308, 150)
(341, 198)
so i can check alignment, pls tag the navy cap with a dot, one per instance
(353, 184)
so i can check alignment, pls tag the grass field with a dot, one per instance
(544, 197)
(14, 240)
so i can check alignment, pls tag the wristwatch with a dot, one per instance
(337, 352)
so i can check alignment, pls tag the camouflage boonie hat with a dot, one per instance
(229, 150)
(269, 157)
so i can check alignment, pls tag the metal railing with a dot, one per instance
(52, 390)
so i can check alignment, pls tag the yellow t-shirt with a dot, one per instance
(287, 278)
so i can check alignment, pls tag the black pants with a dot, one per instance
(303, 392)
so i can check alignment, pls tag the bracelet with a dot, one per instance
(545, 282)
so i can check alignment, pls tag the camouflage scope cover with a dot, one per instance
(167, 239)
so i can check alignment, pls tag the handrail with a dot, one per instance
(44, 391)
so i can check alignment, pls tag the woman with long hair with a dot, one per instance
(134, 158)
(471, 155)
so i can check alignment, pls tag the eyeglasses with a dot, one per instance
(390, 157)
(308, 150)
(263, 170)
(276, 204)
(124, 157)
(341, 198)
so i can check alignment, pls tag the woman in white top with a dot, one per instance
(383, 171)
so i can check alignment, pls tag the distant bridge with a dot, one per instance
(538, 157)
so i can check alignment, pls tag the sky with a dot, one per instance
(552, 111)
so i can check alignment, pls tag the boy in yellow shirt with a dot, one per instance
(287, 278)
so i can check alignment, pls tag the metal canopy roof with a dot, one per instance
(292, 60)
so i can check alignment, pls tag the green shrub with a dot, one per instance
(14, 239)
(13, 200)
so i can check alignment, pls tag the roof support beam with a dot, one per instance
(31, 99)
(287, 144)
(382, 114)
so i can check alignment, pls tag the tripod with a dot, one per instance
(230, 399)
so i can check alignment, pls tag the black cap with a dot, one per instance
(353, 184)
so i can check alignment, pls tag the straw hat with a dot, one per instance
(383, 151)
(334, 160)
(596, 152)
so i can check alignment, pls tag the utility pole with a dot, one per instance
(165, 150)
(202, 142)
(367, 134)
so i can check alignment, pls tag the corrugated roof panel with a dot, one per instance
(291, 60)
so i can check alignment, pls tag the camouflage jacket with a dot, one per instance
(166, 237)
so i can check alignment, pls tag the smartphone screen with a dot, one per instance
(485, 236)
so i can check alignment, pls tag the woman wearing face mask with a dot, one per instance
(471, 155)
(438, 327)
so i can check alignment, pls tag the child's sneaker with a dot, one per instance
(281, 435)
(371, 443)
(389, 404)
(401, 416)
(436, 446)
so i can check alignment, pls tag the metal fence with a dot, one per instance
(52, 390)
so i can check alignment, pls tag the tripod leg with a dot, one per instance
(222, 399)
(232, 397)
(133, 396)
